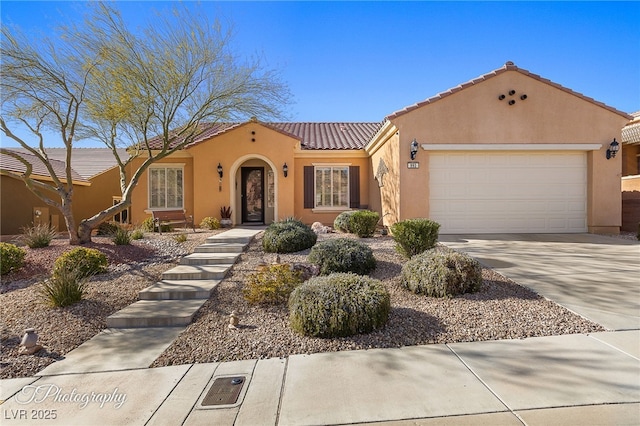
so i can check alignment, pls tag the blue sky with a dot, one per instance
(361, 61)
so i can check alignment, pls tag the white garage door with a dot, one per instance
(493, 192)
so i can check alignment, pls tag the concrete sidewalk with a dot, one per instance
(568, 380)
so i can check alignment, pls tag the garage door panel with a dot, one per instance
(508, 192)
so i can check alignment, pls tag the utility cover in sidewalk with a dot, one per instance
(224, 391)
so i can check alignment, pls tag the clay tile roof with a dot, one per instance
(330, 135)
(38, 170)
(88, 162)
(209, 130)
(311, 135)
(509, 66)
(631, 132)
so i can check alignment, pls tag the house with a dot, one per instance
(509, 151)
(631, 174)
(94, 175)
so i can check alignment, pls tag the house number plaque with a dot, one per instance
(413, 165)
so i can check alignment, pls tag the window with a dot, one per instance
(332, 187)
(165, 188)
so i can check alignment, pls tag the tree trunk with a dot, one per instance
(84, 232)
(69, 220)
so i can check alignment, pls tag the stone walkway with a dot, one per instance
(139, 333)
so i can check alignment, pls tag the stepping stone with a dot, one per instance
(179, 289)
(231, 239)
(156, 313)
(209, 258)
(197, 272)
(220, 248)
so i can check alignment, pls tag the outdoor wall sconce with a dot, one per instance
(414, 149)
(613, 148)
(285, 169)
(220, 170)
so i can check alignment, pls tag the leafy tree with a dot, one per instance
(150, 90)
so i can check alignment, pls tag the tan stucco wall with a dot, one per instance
(140, 198)
(387, 195)
(17, 204)
(549, 115)
(630, 159)
(89, 200)
(205, 194)
(310, 216)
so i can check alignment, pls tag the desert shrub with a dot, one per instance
(272, 285)
(37, 236)
(84, 261)
(363, 223)
(441, 273)
(210, 223)
(137, 234)
(64, 288)
(108, 228)
(180, 238)
(413, 236)
(342, 222)
(339, 305)
(11, 257)
(342, 255)
(147, 224)
(288, 236)
(121, 237)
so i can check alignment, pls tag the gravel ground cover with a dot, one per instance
(500, 310)
(131, 269)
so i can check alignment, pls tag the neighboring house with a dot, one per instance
(508, 151)
(95, 179)
(631, 174)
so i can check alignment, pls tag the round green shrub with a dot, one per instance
(85, 261)
(413, 236)
(342, 222)
(271, 285)
(11, 257)
(339, 305)
(210, 223)
(363, 223)
(441, 273)
(342, 255)
(288, 236)
(137, 234)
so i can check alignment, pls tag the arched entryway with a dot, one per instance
(254, 191)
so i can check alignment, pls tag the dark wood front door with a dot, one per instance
(253, 195)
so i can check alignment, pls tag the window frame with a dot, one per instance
(165, 167)
(347, 195)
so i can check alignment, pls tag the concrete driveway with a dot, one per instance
(595, 276)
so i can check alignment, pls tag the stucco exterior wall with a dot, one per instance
(548, 115)
(89, 200)
(17, 204)
(389, 193)
(630, 155)
(140, 195)
(327, 217)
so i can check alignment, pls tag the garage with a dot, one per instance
(508, 191)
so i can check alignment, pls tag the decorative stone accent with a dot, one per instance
(234, 320)
(29, 344)
(319, 228)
